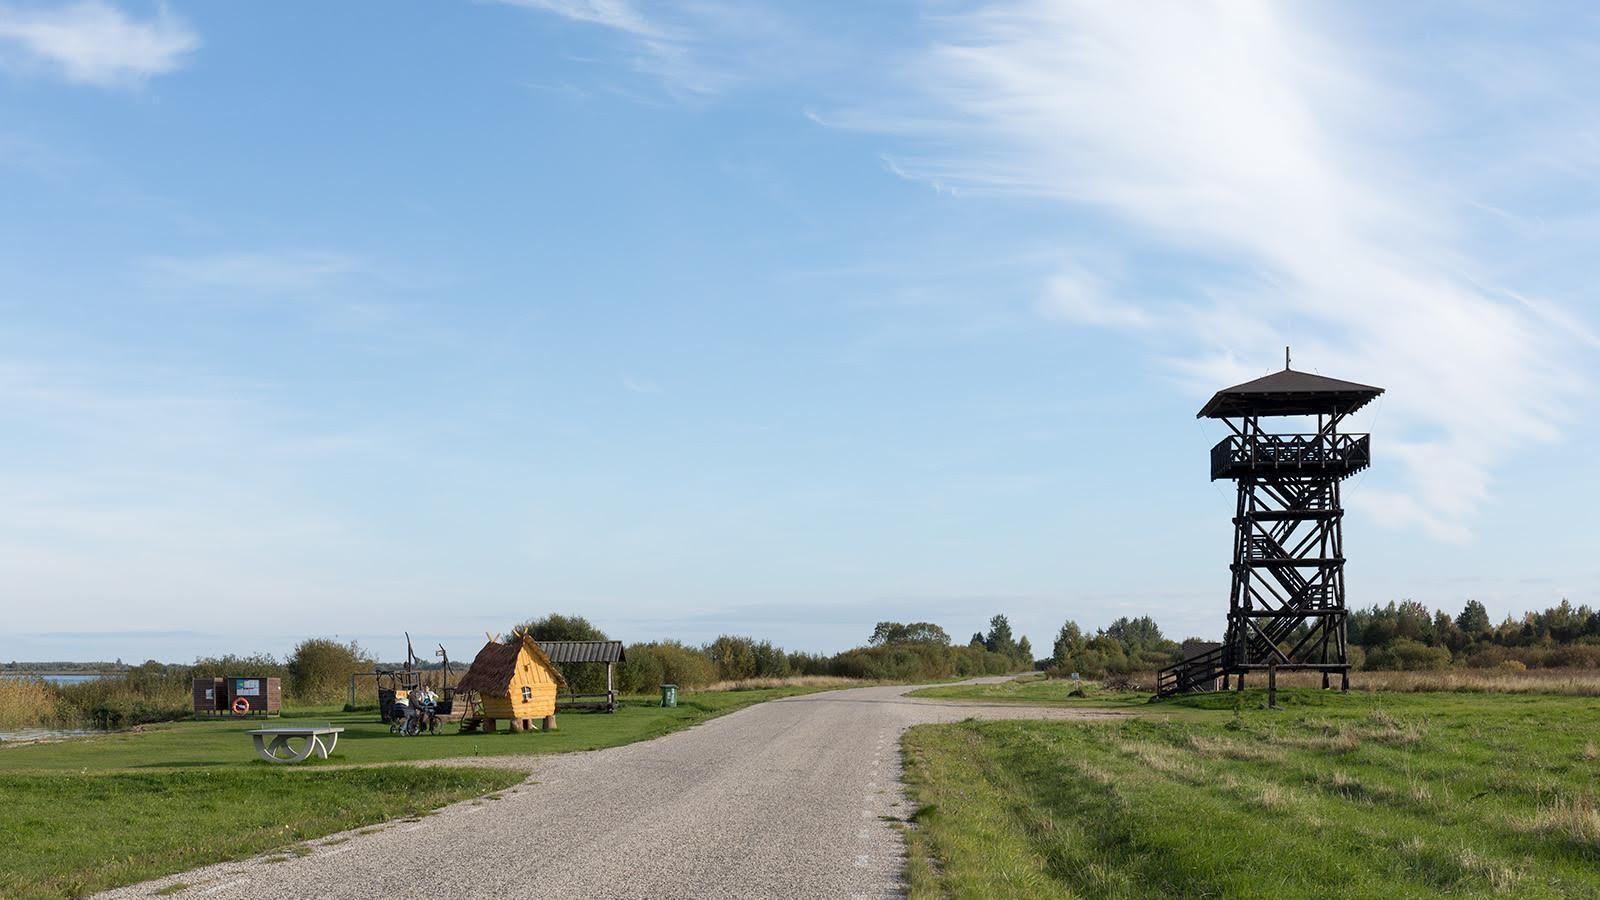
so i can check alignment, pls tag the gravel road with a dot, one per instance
(788, 798)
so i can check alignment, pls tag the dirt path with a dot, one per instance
(788, 798)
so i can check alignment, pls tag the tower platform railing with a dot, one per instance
(1322, 455)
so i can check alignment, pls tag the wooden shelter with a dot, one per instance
(515, 681)
(1286, 609)
(566, 653)
(238, 696)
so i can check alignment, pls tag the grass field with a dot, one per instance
(90, 813)
(211, 743)
(1357, 795)
(71, 835)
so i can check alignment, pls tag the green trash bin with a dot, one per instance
(669, 695)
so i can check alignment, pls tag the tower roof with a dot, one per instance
(1288, 393)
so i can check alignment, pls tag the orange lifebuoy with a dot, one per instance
(241, 706)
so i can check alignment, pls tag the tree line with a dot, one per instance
(1124, 647)
(1404, 635)
(1408, 635)
(894, 652)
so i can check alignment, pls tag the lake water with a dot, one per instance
(55, 679)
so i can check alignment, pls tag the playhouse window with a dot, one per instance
(527, 693)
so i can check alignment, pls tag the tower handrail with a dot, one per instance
(1320, 451)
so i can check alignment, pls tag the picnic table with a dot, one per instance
(318, 739)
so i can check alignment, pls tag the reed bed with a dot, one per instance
(27, 703)
(1569, 682)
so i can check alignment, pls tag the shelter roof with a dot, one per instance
(584, 651)
(1289, 393)
(496, 664)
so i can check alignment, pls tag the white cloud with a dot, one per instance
(94, 43)
(1242, 135)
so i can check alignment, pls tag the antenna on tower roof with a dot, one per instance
(1286, 357)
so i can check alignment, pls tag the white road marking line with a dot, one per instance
(224, 886)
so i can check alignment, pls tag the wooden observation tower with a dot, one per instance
(1286, 609)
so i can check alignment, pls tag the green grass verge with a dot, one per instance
(1035, 691)
(222, 742)
(1355, 795)
(73, 835)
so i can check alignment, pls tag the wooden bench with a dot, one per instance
(318, 739)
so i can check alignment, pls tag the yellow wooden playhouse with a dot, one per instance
(514, 681)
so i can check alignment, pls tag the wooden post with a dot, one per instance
(1344, 681)
(611, 692)
(488, 726)
(1272, 685)
(516, 725)
(1324, 679)
(550, 723)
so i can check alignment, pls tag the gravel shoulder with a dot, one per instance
(796, 797)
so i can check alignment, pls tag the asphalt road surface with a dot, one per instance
(788, 798)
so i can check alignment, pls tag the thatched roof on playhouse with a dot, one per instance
(495, 666)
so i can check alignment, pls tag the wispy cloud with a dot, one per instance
(256, 271)
(640, 385)
(1249, 146)
(1078, 295)
(93, 43)
(662, 50)
(700, 49)
(617, 14)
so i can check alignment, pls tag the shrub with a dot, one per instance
(320, 669)
(1575, 656)
(808, 663)
(771, 662)
(1488, 656)
(264, 665)
(150, 692)
(919, 662)
(734, 657)
(664, 662)
(1407, 655)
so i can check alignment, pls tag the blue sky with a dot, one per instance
(777, 319)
